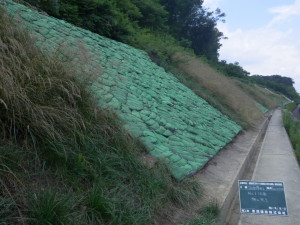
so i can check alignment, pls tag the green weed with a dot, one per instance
(98, 207)
(49, 207)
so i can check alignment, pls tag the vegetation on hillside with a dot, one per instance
(230, 69)
(235, 103)
(162, 28)
(63, 159)
(291, 106)
(185, 21)
(279, 84)
(265, 97)
(292, 126)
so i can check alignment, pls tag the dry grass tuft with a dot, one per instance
(222, 87)
(38, 96)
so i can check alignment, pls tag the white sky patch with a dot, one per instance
(263, 51)
(284, 12)
(269, 49)
(211, 4)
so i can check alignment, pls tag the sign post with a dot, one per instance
(267, 198)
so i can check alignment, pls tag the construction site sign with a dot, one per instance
(267, 198)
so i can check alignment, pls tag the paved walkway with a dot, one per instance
(277, 162)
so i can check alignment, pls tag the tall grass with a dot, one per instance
(47, 207)
(38, 97)
(220, 86)
(265, 97)
(63, 159)
(293, 129)
(272, 96)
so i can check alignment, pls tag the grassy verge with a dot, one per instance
(292, 128)
(63, 159)
(291, 106)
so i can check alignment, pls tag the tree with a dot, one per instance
(232, 69)
(186, 20)
(278, 83)
(154, 16)
(189, 20)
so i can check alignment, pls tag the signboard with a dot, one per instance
(265, 198)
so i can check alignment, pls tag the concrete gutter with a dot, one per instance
(219, 178)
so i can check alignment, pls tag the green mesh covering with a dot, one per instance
(261, 107)
(171, 121)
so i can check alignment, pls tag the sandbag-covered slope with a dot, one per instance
(172, 122)
(261, 107)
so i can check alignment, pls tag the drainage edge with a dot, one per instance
(251, 158)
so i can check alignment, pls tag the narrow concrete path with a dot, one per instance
(277, 162)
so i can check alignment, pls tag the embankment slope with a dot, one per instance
(170, 120)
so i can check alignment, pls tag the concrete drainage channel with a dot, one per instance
(231, 215)
(235, 162)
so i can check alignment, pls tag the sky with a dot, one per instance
(263, 36)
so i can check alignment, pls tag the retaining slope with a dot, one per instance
(172, 122)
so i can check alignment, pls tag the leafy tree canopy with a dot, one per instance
(189, 20)
(278, 83)
(185, 20)
(232, 69)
